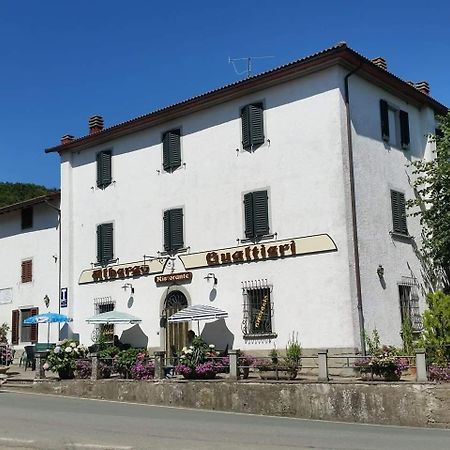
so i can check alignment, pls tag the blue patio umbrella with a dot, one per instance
(47, 318)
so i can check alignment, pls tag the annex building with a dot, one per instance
(279, 199)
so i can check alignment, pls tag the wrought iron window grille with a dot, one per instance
(257, 309)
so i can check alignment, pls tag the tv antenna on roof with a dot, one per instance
(249, 59)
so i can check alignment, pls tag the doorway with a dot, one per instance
(176, 333)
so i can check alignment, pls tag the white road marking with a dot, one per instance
(17, 441)
(115, 447)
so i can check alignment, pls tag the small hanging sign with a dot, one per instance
(64, 297)
(174, 277)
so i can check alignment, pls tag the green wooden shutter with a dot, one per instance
(176, 229)
(260, 213)
(171, 150)
(105, 250)
(104, 168)
(167, 231)
(399, 212)
(34, 328)
(252, 118)
(15, 325)
(384, 116)
(108, 253)
(256, 124)
(249, 218)
(173, 229)
(245, 119)
(166, 151)
(99, 243)
(404, 129)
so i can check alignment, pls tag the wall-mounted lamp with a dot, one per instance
(380, 271)
(211, 276)
(128, 285)
(46, 301)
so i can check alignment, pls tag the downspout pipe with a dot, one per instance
(59, 261)
(354, 218)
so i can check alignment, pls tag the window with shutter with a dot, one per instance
(34, 328)
(394, 125)
(404, 129)
(256, 211)
(27, 218)
(252, 117)
(384, 116)
(105, 251)
(27, 271)
(171, 150)
(15, 324)
(28, 333)
(173, 230)
(398, 213)
(104, 172)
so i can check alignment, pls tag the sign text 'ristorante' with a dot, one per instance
(260, 252)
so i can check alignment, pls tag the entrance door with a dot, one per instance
(176, 333)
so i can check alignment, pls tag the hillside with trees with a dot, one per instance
(11, 193)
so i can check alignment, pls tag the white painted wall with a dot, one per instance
(303, 171)
(378, 169)
(39, 243)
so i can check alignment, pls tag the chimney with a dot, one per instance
(423, 87)
(95, 124)
(380, 62)
(66, 139)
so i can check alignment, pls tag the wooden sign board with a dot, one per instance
(260, 252)
(173, 278)
(122, 271)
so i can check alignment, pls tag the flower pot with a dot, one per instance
(245, 371)
(280, 374)
(66, 374)
(391, 377)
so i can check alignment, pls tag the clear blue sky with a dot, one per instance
(63, 61)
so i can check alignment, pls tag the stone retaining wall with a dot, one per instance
(412, 404)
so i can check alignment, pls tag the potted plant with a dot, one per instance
(383, 362)
(293, 355)
(281, 368)
(62, 358)
(83, 369)
(4, 328)
(124, 360)
(245, 362)
(200, 361)
(408, 343)
(142, 369)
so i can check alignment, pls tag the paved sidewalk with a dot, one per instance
(18, 373)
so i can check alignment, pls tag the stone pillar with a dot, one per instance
(234, 364)
(159, 365)
(323, 365)
(421, 366)
(41, 357)
(95, 374)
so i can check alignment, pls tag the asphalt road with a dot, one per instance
(32, 421)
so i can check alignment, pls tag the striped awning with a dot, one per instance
(198, 312)
(113, 317)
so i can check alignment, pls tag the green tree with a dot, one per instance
(432, 202)
(436, 328)
(11, 193)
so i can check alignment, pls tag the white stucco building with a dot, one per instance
(282, 195)
(30, 267)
